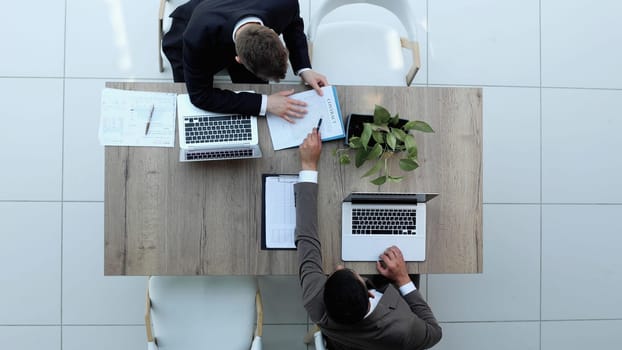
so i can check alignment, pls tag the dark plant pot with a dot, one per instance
(354, 126)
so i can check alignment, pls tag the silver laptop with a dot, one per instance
(206, 135)
(372, 222)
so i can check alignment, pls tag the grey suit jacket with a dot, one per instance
(397, 322)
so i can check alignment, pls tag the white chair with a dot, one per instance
(315, 335)
(164, 24)
(362, 53)
(203, 312)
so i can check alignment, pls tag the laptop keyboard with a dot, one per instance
(386, 221)
(207, 155)
(206, 129)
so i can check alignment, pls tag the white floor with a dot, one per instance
(552, 174)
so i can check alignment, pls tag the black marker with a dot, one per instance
(318, 124)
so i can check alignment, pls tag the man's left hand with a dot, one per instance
(315, 80)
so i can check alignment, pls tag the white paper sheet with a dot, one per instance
(287, 135)
(280, 210)
(124, 116)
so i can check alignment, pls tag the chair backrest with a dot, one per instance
(402, 9)
(202, 312)
(364, 53)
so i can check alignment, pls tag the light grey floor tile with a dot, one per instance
(577, 43)
(580, 144)
(511, 127)
(377, 15)
(30, 337)
(89, 297)
(104, 337)
(509, 287)
(30, 258)
(484, 42)
(490, 336)
(83, 174)
(282, 300)
(581, 262)
(579, 335)
(112, 39)
(35, 49)
(31, 139)
(284, 337)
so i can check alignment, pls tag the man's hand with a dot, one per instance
(285, 107)
(393, 266)
(310, 150)
(315, 80)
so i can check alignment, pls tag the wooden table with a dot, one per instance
(163, 217)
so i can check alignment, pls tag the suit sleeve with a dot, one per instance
(426, 331)
(312, 277)
(199, 69)
(296, 42)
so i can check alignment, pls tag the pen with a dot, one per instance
(318, 124)
(149, 120)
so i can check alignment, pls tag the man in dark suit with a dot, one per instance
(351, 313)
(242, 37)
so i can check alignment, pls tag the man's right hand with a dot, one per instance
(310, 150)
(285, 107)
(393, 266)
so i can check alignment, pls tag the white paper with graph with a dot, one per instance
(288, 135)
(279, 212)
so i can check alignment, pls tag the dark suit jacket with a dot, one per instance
(397, 322)
(208, 46)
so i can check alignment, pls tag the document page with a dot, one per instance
(137, 118)
(279, 211)
(288, 135)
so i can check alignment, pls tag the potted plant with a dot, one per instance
(380, 138)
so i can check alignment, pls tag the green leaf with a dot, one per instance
(376, 168)
(395, 178)
(412, 153)
(379, 180)
(391, 140)
(409, 141)
(334, 152)
(378, 136)
(344, 159)
(375, 152)
(381, 115)
(399, 134)
(395, 120)
(408, 126)
(417, 125)
(407, 164)
(361, 157)
(379, 128)
(366, 135)
(355, 142)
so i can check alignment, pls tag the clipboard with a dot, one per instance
(278, 212)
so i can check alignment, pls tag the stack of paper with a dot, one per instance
(287, 135)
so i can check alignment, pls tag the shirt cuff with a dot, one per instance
(264, 105)
(407, 288)
(308, 176)
(302, 70)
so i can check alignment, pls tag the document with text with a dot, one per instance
(279, 212)
(288, 135)
(137, 118)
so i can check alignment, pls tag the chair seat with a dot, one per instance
(203, 312)
(357, 53)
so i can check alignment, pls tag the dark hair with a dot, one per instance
(262, 52)
(345, 297)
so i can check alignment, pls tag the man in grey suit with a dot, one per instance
(352, 313)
